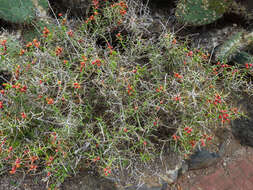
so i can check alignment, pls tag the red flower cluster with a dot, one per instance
(18, 87)
(95, 4)
(49, 162)
(50, 101)
(176, 75)
(217, 99)
(177, 98)
(82, 63)
(70, 33)
(235, 71)
(190, 54)
(97, 61)
(22, 51)
(188, 130)
(224, 116)
(96, 159)
(221, 66)
(77, 85)
(130, 89)
(58, 51)
(110, 47)
(193, 143)
(23, 115)
(107, 171)
(123, 7)
(175, 137)
(16, 165)
(3, 43)
(208, 138)
(202, 142)
(45, 32)
(36, 43)
(247, 65)
(159, 89)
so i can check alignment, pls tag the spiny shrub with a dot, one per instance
(98, 94)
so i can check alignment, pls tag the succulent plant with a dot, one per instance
(21, 11)
(201, 12)
(232, 49)
(243, 57)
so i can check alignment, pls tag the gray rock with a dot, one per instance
(183, 169)
(202, 159)
(242, 129)
(170, 177)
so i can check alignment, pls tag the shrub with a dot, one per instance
(100, 94)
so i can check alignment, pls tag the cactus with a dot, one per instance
(232, 48)
(201, 12)
(20, 11)
(242, 58)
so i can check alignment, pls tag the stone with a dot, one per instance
(183, 169)
(242, 129)
(170, 177)
(202, 159)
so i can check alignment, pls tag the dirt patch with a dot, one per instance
(234, 153)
